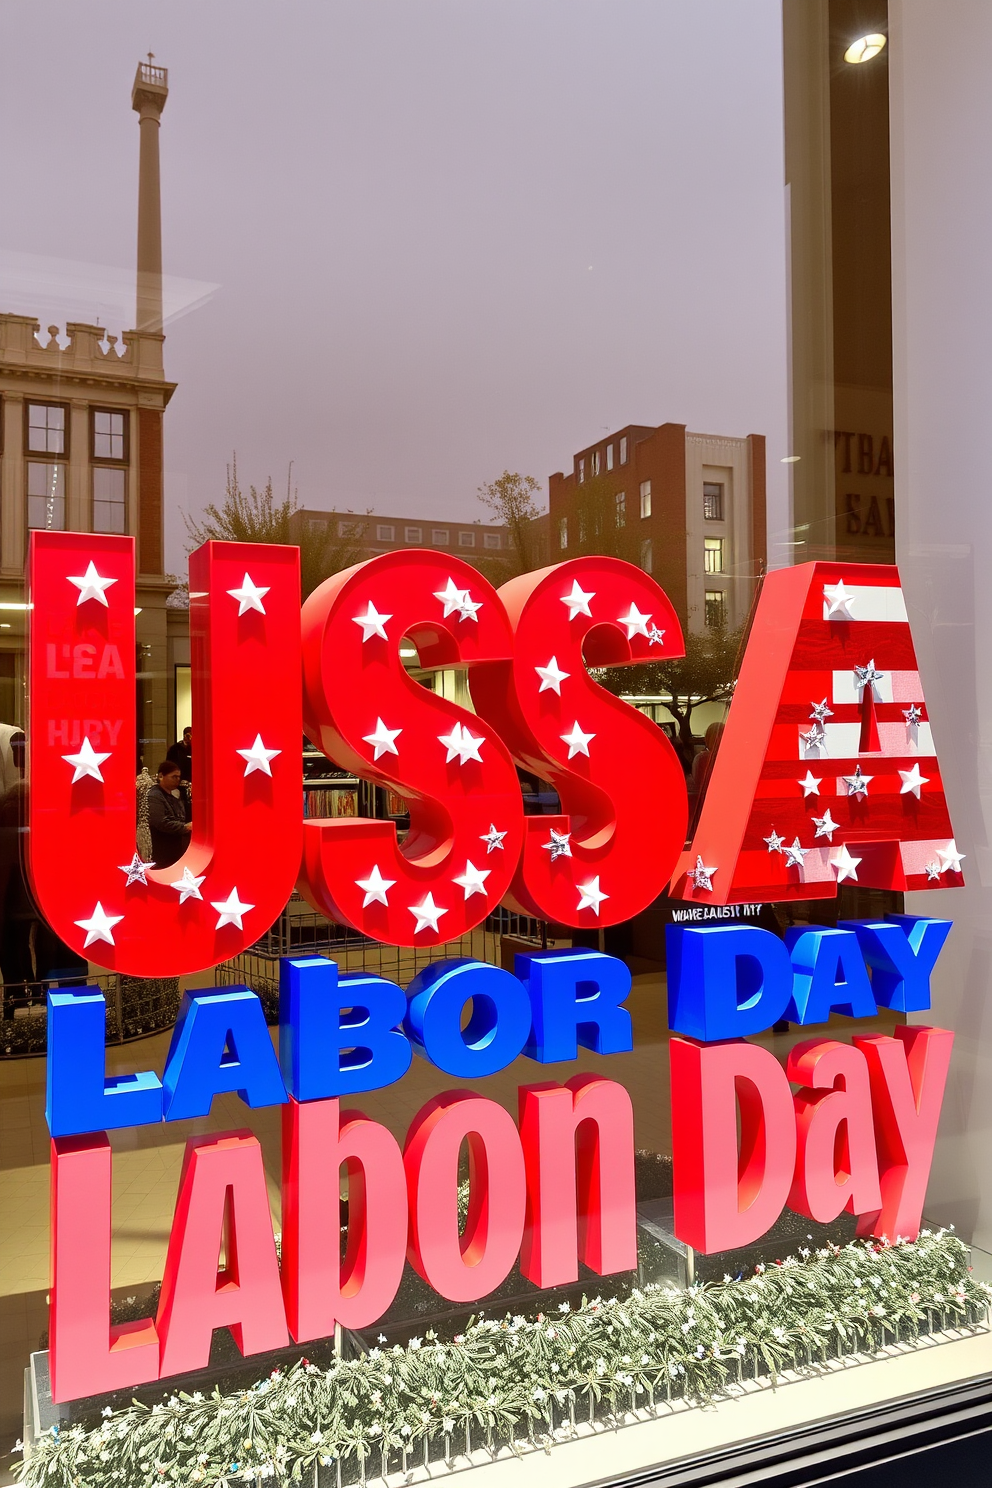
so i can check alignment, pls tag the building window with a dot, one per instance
(351, 529)
(466, 539)
(713, 501)
(621, 508)
(647, 555)
(384, 532)
(582, 471)
(716, 609)
(490, 540)
(563, 533)
(439, 535)
(413, 534)
(645, 498)
(609, 457)
(623, 450)
(317, 527)
(46, 495)
(46, 428)
(712, 555)
(594, 462)
(109, 499)
(109, 434)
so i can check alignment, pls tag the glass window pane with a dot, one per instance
(46, 428)
(46, 495)
(108, 434)
(109, 500)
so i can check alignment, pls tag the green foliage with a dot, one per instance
(258, 517)
(510, 498)
(516, 1378)
(598, 526)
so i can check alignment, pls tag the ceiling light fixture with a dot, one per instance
(865, 48)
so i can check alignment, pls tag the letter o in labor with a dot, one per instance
(464, 1266)
(496, 1032)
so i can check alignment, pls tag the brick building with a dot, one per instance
(372, 534)
(691, 505)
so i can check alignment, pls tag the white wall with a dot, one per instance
(941, 78)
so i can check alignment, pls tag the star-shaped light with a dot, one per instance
(838, 600)
(701, 876)
(551, 676)
(86, 762)
(636, 623)
(774, 841)
(558, 846)
(99, 926)
(493, 839)
(825, 826)
(795, 854)
(136, 871)
(857, 784)
(469, 607)
(577, 741)
(91, 586)
(473, 880)
(932, 870)
(819, 712)
(427, 914)
(249, 596)
(257, 757)
(451, 597)
(591, 895)
(950, 858)
(912, 782)
(372, 623)
(578, 600)
(230, 910)
(810, 784)
(912, 715)
(844, 865)
(382, 739)
(461, 743)
(815, 739)
(655, 636)
(375, 887)
(867, 676)
(188, 886)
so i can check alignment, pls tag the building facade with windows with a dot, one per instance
(376, 534)
(81, 449)
(690, 508)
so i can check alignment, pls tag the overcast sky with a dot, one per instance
(430, 239)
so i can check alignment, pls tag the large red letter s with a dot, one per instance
(619, 779)
(242, 861)
(367, 714)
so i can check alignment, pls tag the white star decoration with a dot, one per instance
(655, 636)
(795, 855)
(825, 826)
(457, 600)
(701, 876)
(493, 839)
(473, 880)
(816, 739)
(558, 846)
(372, 623)
(774, 841)
(427, 914)
(551, 676)
(469, 607)
(86, 762)
(839, 600)
(230, 910)
(867, 676)
(844, 865)
(912, 715)
(136, 871)
(99, 926)
(249, 596)
(820, 712)
(912, 781)
(578, 600)
(461, 743)
(375, 887)
(591, 895)
(382, 739)
(577, 741)
(932, 870)
(91, 586)
(810, 784)
(950, 858)
(857, 784)
(188, 886)
(636, 623)
(257, 757)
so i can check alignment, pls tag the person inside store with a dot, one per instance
(170, 831)
(181, 754)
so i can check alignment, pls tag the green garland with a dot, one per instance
(503, 1380)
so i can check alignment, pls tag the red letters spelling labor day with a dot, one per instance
(554, 1189)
